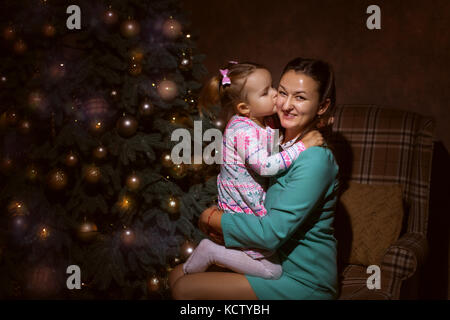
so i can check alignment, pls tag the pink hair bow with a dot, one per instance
(225, 79)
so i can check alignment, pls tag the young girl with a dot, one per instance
(244, 92)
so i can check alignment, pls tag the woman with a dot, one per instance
(300, 204)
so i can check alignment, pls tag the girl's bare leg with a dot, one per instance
(209, 286)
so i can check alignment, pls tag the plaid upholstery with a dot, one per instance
(387, 146)
(376, 145)
(404, 256)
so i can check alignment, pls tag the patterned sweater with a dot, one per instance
(248, 155)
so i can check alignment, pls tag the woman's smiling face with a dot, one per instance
(298, 100)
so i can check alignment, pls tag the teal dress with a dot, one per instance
(299, 224)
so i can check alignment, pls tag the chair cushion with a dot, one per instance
(368, 220)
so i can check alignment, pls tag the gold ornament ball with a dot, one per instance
(172, 29)
(127, 126)
(43, 233)
(87, 231)
(146, 108)
(20, 46)
(166, 160)
(92, 174)
(32, 173)
(130, 28)
(167, 90)
(36, 100)
(100, 153)
(135, 69)
(128, 237)
(178, 171)
(186, 249)
(12, 117)
(48, 30)
(133, 182)
(173, 205)
(57, 179)
(24, 127)
(17, 208)
(71, 159)
(136, 55)
(154, 284)
(9, 33)
(110, 17)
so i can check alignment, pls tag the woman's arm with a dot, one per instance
(308, 182)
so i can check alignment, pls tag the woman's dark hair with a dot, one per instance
(322, 72)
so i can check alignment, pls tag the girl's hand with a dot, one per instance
(313, 138)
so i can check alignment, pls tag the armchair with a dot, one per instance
(376, 145)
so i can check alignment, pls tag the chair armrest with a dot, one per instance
(404, 256)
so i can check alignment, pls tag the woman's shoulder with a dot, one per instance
(317, 157)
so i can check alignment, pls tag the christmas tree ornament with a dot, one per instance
(110, 17)
(128, 236)
(19, 224)
(172, 28)
(57, 179)
(87, 231)
(136, 55)
(17, 208)
(3, 79)
(48, 30)
(135, 69)
(178, 171)
(43, 233)
(36, 100)
(12, 117)
(9, 33)
(146, 108)
(57, 70)
(167, 90)
(95, 108)
(166, 160)
(125, 203)
(219, 123)
(127, 126)
(92, 174)
(130, 28)
(133, 182)
(19, 46)
(32, 173)
(71, 159)
(173, 205)
(186, 249)
(154, 284)
(100, 153)
(24, 127)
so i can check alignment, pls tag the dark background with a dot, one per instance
(405, 65)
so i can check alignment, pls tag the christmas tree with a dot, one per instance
(90, 95)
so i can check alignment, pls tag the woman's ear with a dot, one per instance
(243, 109)
(324, 107)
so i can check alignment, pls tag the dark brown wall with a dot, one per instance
(404, 65)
